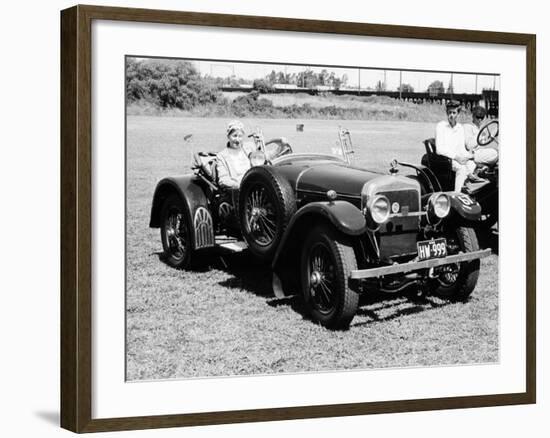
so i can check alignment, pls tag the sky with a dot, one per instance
(463, 83)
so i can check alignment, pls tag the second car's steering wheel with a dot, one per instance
(488, 133)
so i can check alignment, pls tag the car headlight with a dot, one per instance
(379, 208)
(439, 206)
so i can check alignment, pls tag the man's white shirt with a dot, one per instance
(450, 140)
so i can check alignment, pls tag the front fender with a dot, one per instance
(195, 201)
(464, 206)
(343, 215)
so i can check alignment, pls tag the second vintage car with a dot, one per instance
(329, 230)
(485, 192)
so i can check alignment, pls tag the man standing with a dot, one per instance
(450, 142)
(487, 155)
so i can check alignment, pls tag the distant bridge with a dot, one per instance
(487, 98)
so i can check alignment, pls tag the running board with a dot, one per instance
(234, 247)
(414, 266)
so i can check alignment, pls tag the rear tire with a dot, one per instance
(326, 263)
(461, 282)
(175, 233)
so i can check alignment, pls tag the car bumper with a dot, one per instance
(358, 274)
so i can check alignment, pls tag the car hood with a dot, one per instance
(324, 175)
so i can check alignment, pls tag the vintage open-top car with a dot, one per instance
(329, 230)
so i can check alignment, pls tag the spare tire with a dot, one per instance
(266, 205)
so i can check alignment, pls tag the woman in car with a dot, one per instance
(235, 159)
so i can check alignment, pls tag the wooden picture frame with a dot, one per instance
(76, 218)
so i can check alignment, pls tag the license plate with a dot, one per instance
(432, 249)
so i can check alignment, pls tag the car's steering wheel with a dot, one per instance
(284, 150)
(488, 133)
(277, 150)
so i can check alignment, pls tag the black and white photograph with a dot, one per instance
(285, 218)
(272, 219)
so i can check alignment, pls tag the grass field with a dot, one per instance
(224, 320)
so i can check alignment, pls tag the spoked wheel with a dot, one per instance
(320, 270)
(457, 281)
(175, 234)
(261, 220)
(326, 262)
(448, 275)
(266, 205)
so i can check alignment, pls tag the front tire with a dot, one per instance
(326, 263)
(175, 233)
(457, 282)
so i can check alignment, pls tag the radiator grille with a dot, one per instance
(398, 235)
(405, 198)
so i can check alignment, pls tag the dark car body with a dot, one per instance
(322, 211)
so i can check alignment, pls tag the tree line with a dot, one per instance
(178, 84)
(169, 84)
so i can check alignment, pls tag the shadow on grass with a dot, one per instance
(202, 262)
(247, 273)
(373, 305)
(254, 277)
